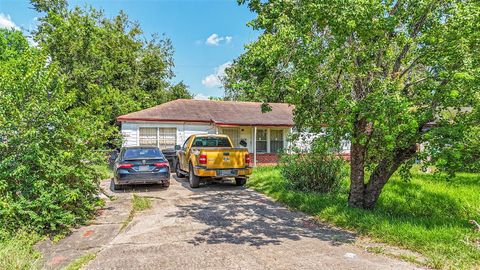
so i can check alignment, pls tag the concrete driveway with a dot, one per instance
(219, 226)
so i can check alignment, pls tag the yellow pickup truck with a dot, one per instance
(210, 156)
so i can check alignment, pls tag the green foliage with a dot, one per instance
(318, 170)
(462, 154)
(386, 75)
(424, 214)
(48, 180)
(110, 68)
(59, 102)
(17, 251)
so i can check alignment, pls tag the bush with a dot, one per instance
(318, 170)
(48, 176)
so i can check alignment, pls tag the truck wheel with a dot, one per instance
(178, 173)
(194, 180)
(240, 181)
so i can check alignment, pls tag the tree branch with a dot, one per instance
(412, 65)
(416, 29)
(395, 8)
(413, 83)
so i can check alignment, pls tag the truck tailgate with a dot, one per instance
(225, 158)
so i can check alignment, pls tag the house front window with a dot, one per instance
(148, 136)
(164, 138)
(233, 134)
(261, 140)
(276, 141)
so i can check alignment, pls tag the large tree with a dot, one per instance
(387, 75)
(108, 63)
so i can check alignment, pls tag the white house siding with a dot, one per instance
(184, 130)
(305, 140)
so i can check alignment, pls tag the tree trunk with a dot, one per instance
(357, 175)
(357, 165)
(382, 173)
(377, 181)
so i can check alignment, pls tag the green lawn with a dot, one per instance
(17, 251)
(425, 214)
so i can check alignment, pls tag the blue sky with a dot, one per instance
(206, 34)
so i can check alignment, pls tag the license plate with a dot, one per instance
(227, 172)
(143, 168)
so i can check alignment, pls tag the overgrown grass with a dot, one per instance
(80, 262)
(426, 214)
(139, 203)
(18, 252)
(104, 170)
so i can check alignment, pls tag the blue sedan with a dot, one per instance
(140, 165)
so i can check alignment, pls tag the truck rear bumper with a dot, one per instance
(204, 172)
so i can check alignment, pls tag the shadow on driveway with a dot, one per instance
(238, 215)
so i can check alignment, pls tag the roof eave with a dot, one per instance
(139, 119)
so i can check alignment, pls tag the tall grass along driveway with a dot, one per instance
(426, 214)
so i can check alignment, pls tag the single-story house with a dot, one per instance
(171, 123)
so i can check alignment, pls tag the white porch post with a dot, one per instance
(255, 146)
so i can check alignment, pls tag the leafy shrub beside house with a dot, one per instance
(48, 180)
(319, 170)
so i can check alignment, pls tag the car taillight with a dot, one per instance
(202, 159)
(161, 164)
(124, 166)
(247, 159)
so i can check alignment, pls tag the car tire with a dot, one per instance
(114, 186)
(240, 181)
(178, 172)
(166, 184)
(193, 179)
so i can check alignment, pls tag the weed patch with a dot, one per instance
(17, 251)
(139, 203)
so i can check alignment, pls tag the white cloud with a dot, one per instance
(6, 22)
(215, 40)
(214, 79)
(200, 96)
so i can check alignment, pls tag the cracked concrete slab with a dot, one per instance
(218, 226)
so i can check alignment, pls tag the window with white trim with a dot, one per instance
(261, 140)
(147, 136)
(167, 138)
(276, 140)
(164, 138)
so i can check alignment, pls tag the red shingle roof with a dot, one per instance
(219, 112)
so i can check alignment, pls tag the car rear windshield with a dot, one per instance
(142, 153)
(211, 142)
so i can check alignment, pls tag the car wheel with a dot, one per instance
(240, 181)
(178, 173)
(166, 184)
(114, 186)
(194, 180)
